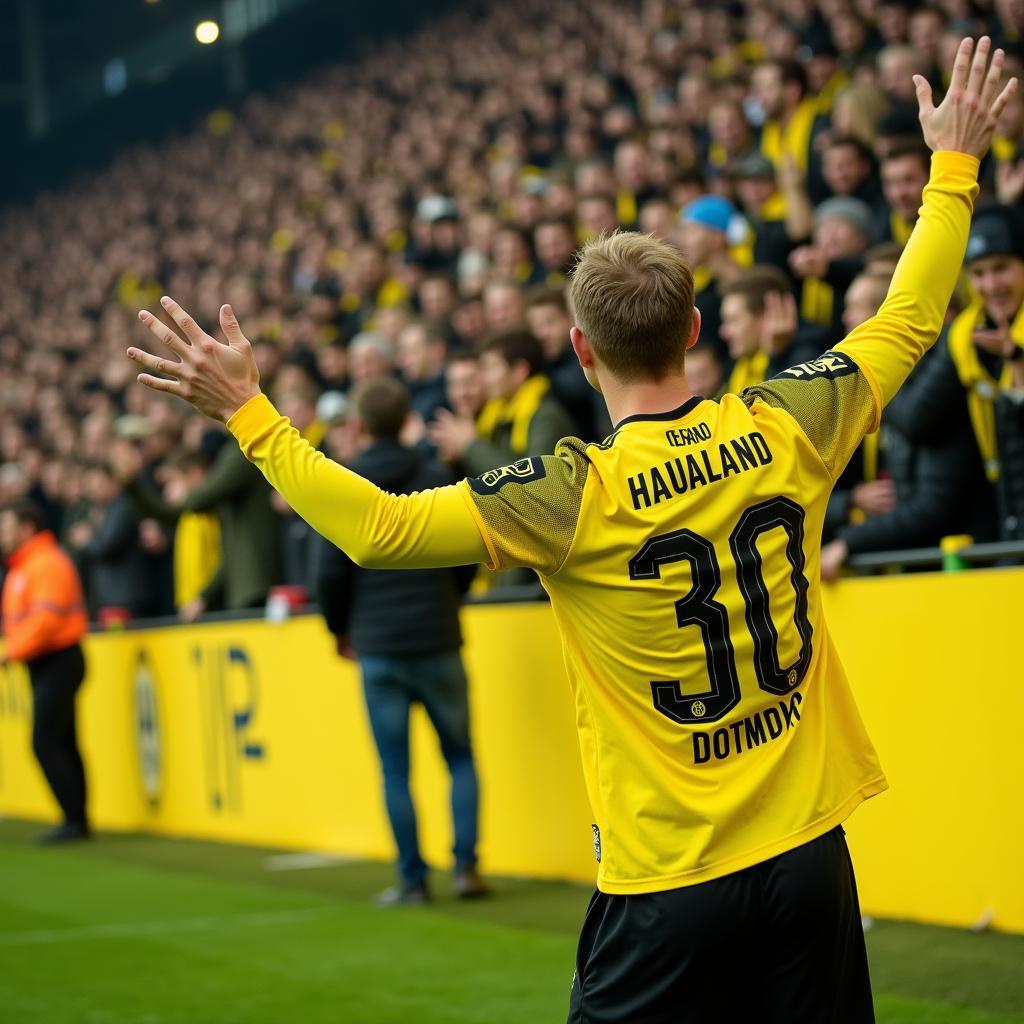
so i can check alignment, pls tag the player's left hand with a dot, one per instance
(213, 377)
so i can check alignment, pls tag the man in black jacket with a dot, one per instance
(973, 386)
(896, 492)
(403, 626)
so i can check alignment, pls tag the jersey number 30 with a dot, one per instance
(699, 608)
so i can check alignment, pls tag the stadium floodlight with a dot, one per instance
(207, 32)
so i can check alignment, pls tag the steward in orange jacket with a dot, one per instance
(43, 608)
(43, 621)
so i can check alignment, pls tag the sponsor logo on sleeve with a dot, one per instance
(521, 472)
(831, 365)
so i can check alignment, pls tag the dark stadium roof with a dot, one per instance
(77, 33)
(159, 76)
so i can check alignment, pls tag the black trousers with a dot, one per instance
(778, 943)
(56, 678)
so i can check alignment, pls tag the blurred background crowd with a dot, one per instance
(415, 214)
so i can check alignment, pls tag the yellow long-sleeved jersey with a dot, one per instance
(716, 724)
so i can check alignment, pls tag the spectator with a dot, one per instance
(780, 88)
(596, 214)
(760, 326)
(197, 541)
(549, 322)
(828, 265)
(370, 355)
(658, 218)
(709, 227)
(520, 418)
(107, 544)
(730, 135)
(298, 540)
(464, 390)
(775, 205)
(437, 297)
(632, 175)
(503, 305)
(848, 167)
(705, 371)
(905, 169)
(555, 243)
(403, 627)
(973, 385)
(897, 65)
(250, 537)
(44, 621)
(422, 349)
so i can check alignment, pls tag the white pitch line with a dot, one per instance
(303, 861)
(128, 929)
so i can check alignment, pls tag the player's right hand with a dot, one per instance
(966, 118)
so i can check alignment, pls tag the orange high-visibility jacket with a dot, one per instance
(43, 608)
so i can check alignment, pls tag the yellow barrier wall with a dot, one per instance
(255, 732)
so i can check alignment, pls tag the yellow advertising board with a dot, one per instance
(256, 732)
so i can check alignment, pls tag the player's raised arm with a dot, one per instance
(428, 529)
(959, 132)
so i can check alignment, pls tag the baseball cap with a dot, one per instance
(332, 407)
(433, 208)
(754, 165)
(709, 211)
(996, 231)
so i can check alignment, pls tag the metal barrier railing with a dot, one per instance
(1005, 552)
(1002, 553)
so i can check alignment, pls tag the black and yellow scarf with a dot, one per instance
(518, 411)
(981, 387)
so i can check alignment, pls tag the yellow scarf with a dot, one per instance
(869, 455)
(196, 554)
(980, 385)
(1004, 149)
(900, 228)
(774, 207)
(314, 433)
(826, 98)
(625, 207)
(748, 371)
(816, 300)
(701, 279)
(518, 410)
(794, 139)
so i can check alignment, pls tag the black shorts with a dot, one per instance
(778, 943)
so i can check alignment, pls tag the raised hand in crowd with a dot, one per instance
(1010, 182)
(999, 341)
(808, 261)
(874, 497)
(779, 321)
(450, 434)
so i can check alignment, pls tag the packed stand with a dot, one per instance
(415, 215)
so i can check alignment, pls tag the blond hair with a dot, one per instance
(858, 107)
(633, 298)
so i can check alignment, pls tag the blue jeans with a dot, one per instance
(438, 682)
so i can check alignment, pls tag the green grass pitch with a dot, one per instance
(143, 930)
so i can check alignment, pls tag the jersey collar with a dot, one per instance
(673, 414)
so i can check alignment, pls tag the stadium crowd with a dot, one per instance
(415, 215)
